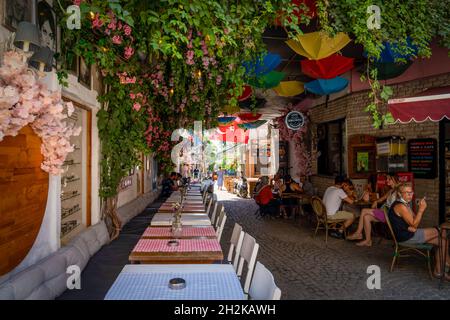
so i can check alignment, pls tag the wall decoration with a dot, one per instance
(46, 22)
(16, 11)
(84, 73)
(422, 158)
(295, 120)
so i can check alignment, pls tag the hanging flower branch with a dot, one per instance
(23, 101)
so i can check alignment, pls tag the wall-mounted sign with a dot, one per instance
(422, 158)
(295, 120)
(126, 182)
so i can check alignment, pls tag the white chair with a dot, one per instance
(263, 285)
(235, 243)
(249, 251)
(212, 212)
(220, 225)
(209, 205)
(216, 214)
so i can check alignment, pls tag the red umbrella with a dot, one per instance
(248, 116)
(327, 68)
(246, 93)
(311, 4)
(231, 134)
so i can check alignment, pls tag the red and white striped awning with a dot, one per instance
(432, 104)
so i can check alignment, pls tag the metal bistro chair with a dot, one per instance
(263, 285)
(322, 218)
(422, 249)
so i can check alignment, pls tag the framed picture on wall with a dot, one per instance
(47, 24)
(15, 11)
(84, 73)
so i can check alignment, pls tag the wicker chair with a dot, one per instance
(422, 249)
(322, 219)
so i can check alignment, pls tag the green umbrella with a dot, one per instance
(390, 70)
(267, 81)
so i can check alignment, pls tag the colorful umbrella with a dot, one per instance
(246, 117)
(267, 81)
(262, 65)
(390, 54)
(246, 94)
(324, 87)
(391, 70)
(252, 125)
(225, 121)
(318, 45)
(289, 88)
(257, 103)
(327, 68)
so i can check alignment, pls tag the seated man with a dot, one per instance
(332, 199)
(169, 185)
(264, 197)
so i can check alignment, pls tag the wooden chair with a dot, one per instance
(263, 285)
(322, 218)
(248, 254)
(422, 249)
(236, 240)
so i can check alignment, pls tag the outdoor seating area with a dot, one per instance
(198, 150)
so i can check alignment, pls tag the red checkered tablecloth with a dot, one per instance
(186, 232)
(185, 245)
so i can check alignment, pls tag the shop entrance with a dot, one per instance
(444, 169)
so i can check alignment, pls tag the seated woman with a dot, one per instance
(374, 214)
(289, 186)
(264, 198)
(405, 225)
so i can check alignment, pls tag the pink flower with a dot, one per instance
(137, 106)
(132, 96)
(129, 51)
(77, 2)
(127, 30)
(97, 22)
(117, 39)
(112, 25)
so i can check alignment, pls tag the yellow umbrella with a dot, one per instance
(289, 88)
(318, 45)
(229, 109)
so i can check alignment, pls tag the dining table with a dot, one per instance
(187, 232)
(156, 282)
(178, 251)
(166, 219)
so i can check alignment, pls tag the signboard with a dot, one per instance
(295, 120)
(422, 158)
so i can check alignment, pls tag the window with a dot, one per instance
(331, 146)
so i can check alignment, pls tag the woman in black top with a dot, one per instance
(405, 225)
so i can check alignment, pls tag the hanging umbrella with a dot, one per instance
(311, 4)
(289, 88)
(267, 81)
(391, 70)
(318, 45)
(327, 68)
(257, 103)
(252, 125)
(390, 54)
(326, 86)
(246, 93)
(246, 117)
(262, 65)
(225, 121)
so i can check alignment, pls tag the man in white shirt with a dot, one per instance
(332, 199)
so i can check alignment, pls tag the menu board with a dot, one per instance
(422, 158)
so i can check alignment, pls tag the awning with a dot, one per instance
(432, 104)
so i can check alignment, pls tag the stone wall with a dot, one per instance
(351, 107)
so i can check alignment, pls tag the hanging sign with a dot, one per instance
(422, 158)
(295, 120)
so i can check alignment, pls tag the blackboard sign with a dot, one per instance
(422, 158)
(295, 120)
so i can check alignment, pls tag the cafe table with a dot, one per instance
(151, 282)
(186, 233)
(184, 251)
(166, 219)
(185, 209)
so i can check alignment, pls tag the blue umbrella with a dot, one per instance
(252, 125)
(390, 52)
(262, 65)
(324, 87)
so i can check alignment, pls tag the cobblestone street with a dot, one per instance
(305, 268)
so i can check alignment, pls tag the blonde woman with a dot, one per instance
(374, 214)
(405, 224)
